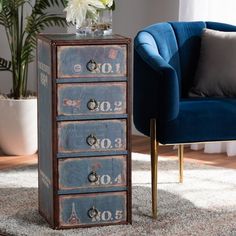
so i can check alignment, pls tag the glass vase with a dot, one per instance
(100, 27)
(85, 29)
(104, 24)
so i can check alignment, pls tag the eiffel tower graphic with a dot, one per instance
(74, 219)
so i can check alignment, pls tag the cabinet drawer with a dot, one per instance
(92, 136)
(88, 209)
(91, 99)
(94, 172)
(91, 61)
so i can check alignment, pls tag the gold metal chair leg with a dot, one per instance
(181, 162)
(154, 166)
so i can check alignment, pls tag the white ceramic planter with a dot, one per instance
(18, 126)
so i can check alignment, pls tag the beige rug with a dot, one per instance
(204, 205)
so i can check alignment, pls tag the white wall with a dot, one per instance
(132, 15)
(129, 17)
(5, 77)
(5, 81)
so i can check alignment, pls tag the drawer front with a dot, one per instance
(92, 136)
(91, 99)
(88, 209)
(96, 172)
(92, 61)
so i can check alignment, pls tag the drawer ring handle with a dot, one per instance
(92, 65)
(92, 212)
(92, 177)
(91, 140)
(92, 104)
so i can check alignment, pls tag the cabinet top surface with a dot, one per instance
(73, 38)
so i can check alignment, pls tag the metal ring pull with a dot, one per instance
(92, 104)
(91, 65)
(92, 212)
(91, 140)
(92, 177)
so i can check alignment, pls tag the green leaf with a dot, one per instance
(5, 65)
(21, 31)
(0, 5)
(113, 7)
(41, 5)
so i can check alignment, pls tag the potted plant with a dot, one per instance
(18, 109)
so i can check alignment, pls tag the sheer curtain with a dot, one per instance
(212, 10)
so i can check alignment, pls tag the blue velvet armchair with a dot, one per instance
(165, 60)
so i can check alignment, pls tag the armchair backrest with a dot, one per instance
(179, 44)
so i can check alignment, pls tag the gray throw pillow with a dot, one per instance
(216, 72)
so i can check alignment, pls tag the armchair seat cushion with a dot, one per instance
(200, 119)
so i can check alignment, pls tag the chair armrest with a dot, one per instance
(150, 68)
(152, 57)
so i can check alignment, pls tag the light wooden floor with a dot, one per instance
(139, 145)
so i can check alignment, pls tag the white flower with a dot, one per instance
(77, 10)
(107, 3)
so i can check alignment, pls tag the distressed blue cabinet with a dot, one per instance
(84, 130)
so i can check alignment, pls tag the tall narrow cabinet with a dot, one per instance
(84, 106)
